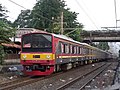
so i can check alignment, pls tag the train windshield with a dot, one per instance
(37, 43)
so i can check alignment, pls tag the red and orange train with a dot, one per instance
(45, 53)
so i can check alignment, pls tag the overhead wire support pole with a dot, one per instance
(115, 12)
(62, 23)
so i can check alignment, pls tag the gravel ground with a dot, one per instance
(56, 81)
(6, 75)
(104, 80)
(11, 76)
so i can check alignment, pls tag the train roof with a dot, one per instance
(70, 39)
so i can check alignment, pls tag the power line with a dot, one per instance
(17, 4)
(86, 14)
(29, 9)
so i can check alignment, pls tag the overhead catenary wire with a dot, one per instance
(86, 14)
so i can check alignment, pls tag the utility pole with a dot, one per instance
(62, 23)
(115, 12)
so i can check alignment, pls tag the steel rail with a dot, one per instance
(78, 78)
(98, 73)
(12, 85)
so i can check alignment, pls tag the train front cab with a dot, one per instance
(37, 56)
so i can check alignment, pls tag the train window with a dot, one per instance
(74, 49)
(80, 50)
(62, 48)
(84, 51)
(58, 48)
(67, 48)
(91, 51)
(71, 49)
(77, 50)
(87, 50)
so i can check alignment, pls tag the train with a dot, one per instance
(43, 53)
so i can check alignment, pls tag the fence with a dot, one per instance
(12, 56)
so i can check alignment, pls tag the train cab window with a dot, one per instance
(27, 42)
(37, 43)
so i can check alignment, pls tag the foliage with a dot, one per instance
(2, 11)
(23, 19)
(6, 31)
(2, 54)
(46, 14)
(103, 45)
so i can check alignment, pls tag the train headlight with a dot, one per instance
(48, 56)
(24, 57)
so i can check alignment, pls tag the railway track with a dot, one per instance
(15, 83)
(80, 82)
(28, 80)
(23, 81)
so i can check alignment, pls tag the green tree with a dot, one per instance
(46, 14)
(103, 45)
(23, 19)
(2, 54)
(2, 11)
(6, 31)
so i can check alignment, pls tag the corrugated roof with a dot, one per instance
(11, 45)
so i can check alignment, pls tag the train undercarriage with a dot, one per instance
(42, 69)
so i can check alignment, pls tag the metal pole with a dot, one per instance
(115, 12)
(62, 23)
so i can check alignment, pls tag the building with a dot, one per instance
(22, 31)
(15, 46)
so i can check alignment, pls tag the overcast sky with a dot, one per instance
(94, 14)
